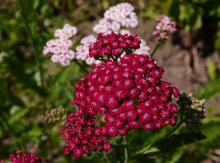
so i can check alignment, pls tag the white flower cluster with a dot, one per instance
(116, 18)
(82, 50)
(59, 48)
(66, 32)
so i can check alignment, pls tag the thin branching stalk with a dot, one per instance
(160, 42)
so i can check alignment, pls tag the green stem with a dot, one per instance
(160, 42)
(125, 150)
(126, 154)
(174, 128)
(33, 41)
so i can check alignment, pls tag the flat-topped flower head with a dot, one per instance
(128, 94)
(60, 47)
(164, 28)
(116, 18)
(114, 44)
(19, 157)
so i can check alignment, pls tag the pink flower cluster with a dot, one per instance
(59, 47)
(128, 95)
(82, 50)
(113, 44)
(20, 157)
(117, 17)
(164, 28)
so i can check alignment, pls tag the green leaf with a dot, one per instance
(177, 140)
(34, 132)
(150, 150)
(16, 116)
(176, 156)
(211, 128)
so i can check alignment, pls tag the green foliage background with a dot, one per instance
(30, 84)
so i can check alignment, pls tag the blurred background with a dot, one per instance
(35, 94)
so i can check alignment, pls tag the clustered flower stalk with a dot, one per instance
(127, 92)
(163, 29)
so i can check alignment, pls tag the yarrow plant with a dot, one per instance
(127, 91)
(124, 91)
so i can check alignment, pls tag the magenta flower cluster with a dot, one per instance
(60, 47)
(19, 157)
(127, 95)
(80, 137)
(164, 27)
(113, 44)
(116, 18)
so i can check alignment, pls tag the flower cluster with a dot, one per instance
(128, 95)
(20, 157)
(82, 50)
(59, 47)
(116, 17)
(113, 44)
(196, 112)
(164, 28)
(54, 115)
(80, 137)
